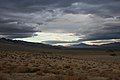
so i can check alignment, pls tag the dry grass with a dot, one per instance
(4, 76)
(21, 65)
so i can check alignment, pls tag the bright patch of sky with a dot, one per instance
(42, 37)
(101, 42)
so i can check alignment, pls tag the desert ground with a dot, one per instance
(28, 61)
(59, 65)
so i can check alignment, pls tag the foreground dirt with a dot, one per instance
(21, 65)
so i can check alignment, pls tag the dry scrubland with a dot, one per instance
(25, 65)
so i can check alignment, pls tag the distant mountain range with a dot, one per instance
(17, 44)
(115, 45)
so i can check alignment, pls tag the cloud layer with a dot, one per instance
(91, 19)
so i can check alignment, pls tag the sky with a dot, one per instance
(61, 22)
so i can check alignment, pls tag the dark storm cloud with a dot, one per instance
(26, 16)
(104, 8)
(13, 26)
(13, 29)
(112, 32)
(35, 5)
(17, 35)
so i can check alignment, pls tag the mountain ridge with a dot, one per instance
(23, 44)
(115, 45)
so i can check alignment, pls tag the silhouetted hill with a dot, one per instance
(115, 44)
(22, 45)
(7, 44)
(112, 46)
(18, 42)
(82, 45)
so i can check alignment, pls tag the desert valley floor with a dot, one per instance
(20, 63)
